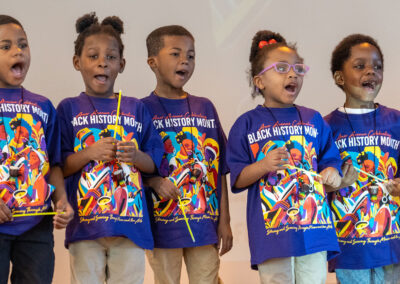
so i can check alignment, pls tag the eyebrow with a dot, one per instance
(180, 49)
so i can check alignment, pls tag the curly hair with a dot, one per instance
(88, 25)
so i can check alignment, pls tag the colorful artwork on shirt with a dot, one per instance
(108, 187)
(23, 148)
(365, 209)
(291, 196)
(192, 161)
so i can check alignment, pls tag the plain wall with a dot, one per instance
(223, 30)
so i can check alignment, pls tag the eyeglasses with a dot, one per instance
(284, 67)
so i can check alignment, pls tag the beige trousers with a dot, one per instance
(202, 264)
(106, 260)
(307, 269)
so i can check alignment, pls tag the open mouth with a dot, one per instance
(291, 87)
(101, 78)
(369, 85)
(17, 69)
(181, 73)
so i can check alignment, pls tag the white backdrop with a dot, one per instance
(223, 30)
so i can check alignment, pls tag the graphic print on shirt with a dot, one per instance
(291, 196)
(108, 187)
(23, 147)
(365, 209)
(192, 162)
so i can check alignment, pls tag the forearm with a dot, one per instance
(152, 182)
(75, 162)
(250, 174)
(224, 216)
(144, 163)
(56, 179)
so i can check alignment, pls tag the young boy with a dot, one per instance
(194, 164)
(30, 143)
(368, 136)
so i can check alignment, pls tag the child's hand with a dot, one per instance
(61, 221)
(5, 212)
(350, 175)
(225, 237)
(393, 187)
(166, 189)
(331, 177)
(103, 150)
(275, 160)
(127, 152)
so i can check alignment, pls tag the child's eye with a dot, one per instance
(359, 66)
(191, 57)
(111, 57)
(23, 45)
(378, 67)
(5, 47)
(93, 56)
(175, 54)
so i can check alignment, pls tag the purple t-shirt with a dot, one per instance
(30, 143)
(287, 211)
(367, 218)
(194, 160)
(108, 197)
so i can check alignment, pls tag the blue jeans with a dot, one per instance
(380, 275)
(31, 255)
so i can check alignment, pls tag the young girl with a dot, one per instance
(283, 154)
(29, 170)
(102, 160)
(368, 136)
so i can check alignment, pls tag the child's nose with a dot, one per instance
(291, 72)
(17, 50)
(102, 61)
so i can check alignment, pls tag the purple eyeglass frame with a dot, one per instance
(290, 66)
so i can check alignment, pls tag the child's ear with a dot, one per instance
(338, 77)
(122, 64)
(258, 83)
(151, 61)
(76, 62)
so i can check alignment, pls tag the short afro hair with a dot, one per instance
(342, 51)
(155, 40)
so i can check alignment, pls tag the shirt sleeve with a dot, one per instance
(151, 142)
(52, 137)
(67, 133)
(238, 155)
(328, 155)
(223, 168)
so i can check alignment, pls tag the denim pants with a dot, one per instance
(31, 255)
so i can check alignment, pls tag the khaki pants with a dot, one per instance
(308, 269)
(110, 260)
(202, 264)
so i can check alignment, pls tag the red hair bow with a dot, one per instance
(263, 43)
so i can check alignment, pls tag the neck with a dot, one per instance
(351, 103)
(170, 92)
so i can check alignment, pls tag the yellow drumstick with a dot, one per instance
(368, 174)
(303, 170)
(116, 121)
(38, 214)
(186, 219)
(181, 205)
